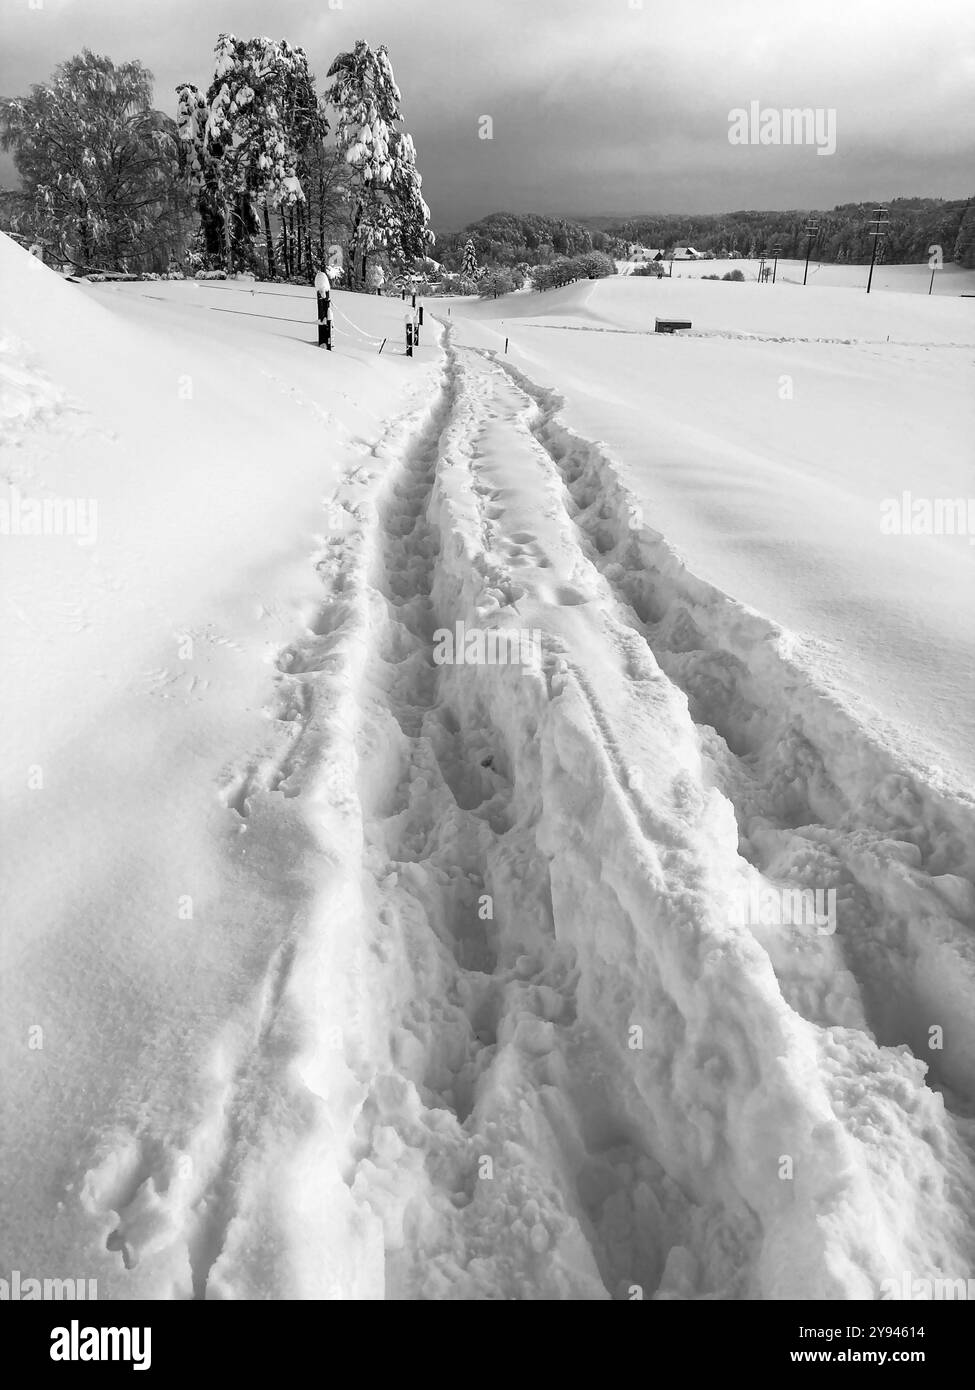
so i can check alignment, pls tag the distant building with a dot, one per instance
(686, 253)
(636, 252)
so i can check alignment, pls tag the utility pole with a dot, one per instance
(880, 228)
(812, 231)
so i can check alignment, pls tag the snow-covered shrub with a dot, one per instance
(496, 282)
(211, 275)
(596, 264)
(734, 275)
(560, 272)
(149, 275)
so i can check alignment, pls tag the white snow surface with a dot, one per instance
(763, 445)
(333, 972)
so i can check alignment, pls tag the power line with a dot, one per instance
(880, 227)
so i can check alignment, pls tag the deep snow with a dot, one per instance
(764, 444)
(465, 1007)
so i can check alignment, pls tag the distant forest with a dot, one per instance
(512, 239)
(915, 225)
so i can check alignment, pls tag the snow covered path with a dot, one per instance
(521, 1043)
(763, 445)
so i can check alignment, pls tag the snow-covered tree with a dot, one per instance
(388, 211)
(496, 282)
(596, 264)
(200, 171)
(963, 251)
(470, 269)
(98, 165)
(327, 191)
(251, 139)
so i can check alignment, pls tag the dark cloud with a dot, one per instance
(597, 105)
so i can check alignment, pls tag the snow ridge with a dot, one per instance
(818, 799)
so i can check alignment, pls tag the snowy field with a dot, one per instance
(764, 443)
(950, 281)
(338, 968)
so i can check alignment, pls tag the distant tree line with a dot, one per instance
(915, 225)
(522, 242)
(493, 282)
(507, 239)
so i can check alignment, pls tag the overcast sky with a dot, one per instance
(598, 106)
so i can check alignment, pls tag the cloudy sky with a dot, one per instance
(598, 106)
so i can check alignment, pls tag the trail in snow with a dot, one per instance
(816, 801)
(518, 1047)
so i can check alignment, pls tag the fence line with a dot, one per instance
(362, 331)
(270, 318)
(215, 309)
(240, 288)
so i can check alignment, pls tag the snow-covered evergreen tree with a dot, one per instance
(388, 209)
(414, 236)
(200, 172)
(470, 269)
(259, 119)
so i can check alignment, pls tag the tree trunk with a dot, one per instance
(321, 219)
(302, 249)
(228, 244)
(269, 238)
(285, 248)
